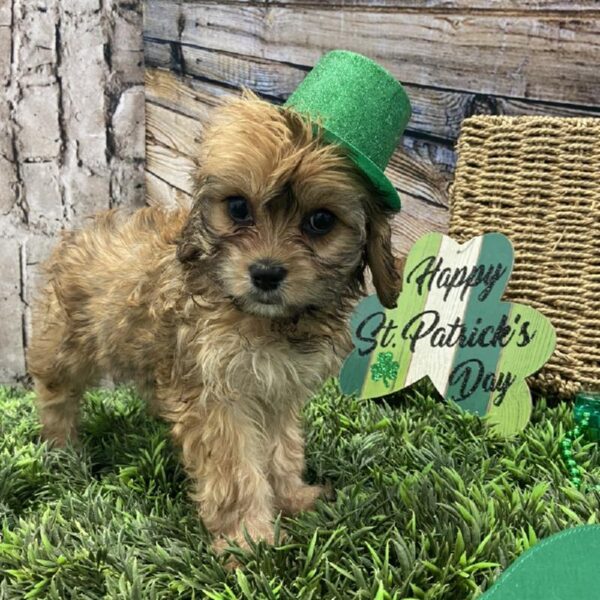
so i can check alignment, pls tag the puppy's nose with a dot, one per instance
(267, 276)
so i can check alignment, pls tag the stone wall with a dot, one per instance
(71, 137)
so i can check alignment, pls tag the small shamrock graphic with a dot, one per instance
(385, 368)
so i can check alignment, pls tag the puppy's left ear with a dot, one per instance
(386, 278)
(187, 249)
(189, 246)
(190, 243)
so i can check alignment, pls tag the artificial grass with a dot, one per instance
(430, 505)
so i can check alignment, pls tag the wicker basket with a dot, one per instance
(537, 180)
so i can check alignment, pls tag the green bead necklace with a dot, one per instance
(587, 424)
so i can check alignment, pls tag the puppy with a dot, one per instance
(228, 316)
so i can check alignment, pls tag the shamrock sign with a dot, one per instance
(451, 326)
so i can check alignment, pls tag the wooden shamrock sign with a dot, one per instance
(451, 325)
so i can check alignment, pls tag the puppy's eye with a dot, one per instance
(239, 210)
(319, 223)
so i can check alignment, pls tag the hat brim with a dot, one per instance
(375, 175)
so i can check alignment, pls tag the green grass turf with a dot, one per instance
(429, 505)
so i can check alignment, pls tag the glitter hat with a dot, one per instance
(360, 106)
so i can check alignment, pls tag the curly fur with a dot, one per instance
(164, 299)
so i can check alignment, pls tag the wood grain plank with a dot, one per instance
(169, 165)
(521, 6)
(193, 98)
(525, 57)
(161, 193)
(496, 6)
(436, 113)
(172, 129)
(158, 54)
(414, 221)
(270, 78)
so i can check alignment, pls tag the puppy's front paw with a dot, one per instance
(303, 498)
(255, 532)
(58, 438)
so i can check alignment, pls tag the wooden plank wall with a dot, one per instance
(455, 57)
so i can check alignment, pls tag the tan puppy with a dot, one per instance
(228, 317)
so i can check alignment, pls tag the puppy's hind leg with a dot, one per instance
(61, 371)
(58, 408)
(60, 381)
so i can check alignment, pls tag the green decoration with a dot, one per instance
(587, 426)
(386, 368)
(360, 106)
(450, 325)
(563, 566)
(588, 403)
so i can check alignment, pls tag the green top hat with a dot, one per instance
(360, 106)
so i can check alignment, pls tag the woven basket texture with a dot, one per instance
(537, 180)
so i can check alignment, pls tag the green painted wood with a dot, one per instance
(515, 409)
(365, 321)
(428, 244)
(563, 566)
(496, 255)
(451, 325)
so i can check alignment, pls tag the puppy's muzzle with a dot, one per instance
(267, 276)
